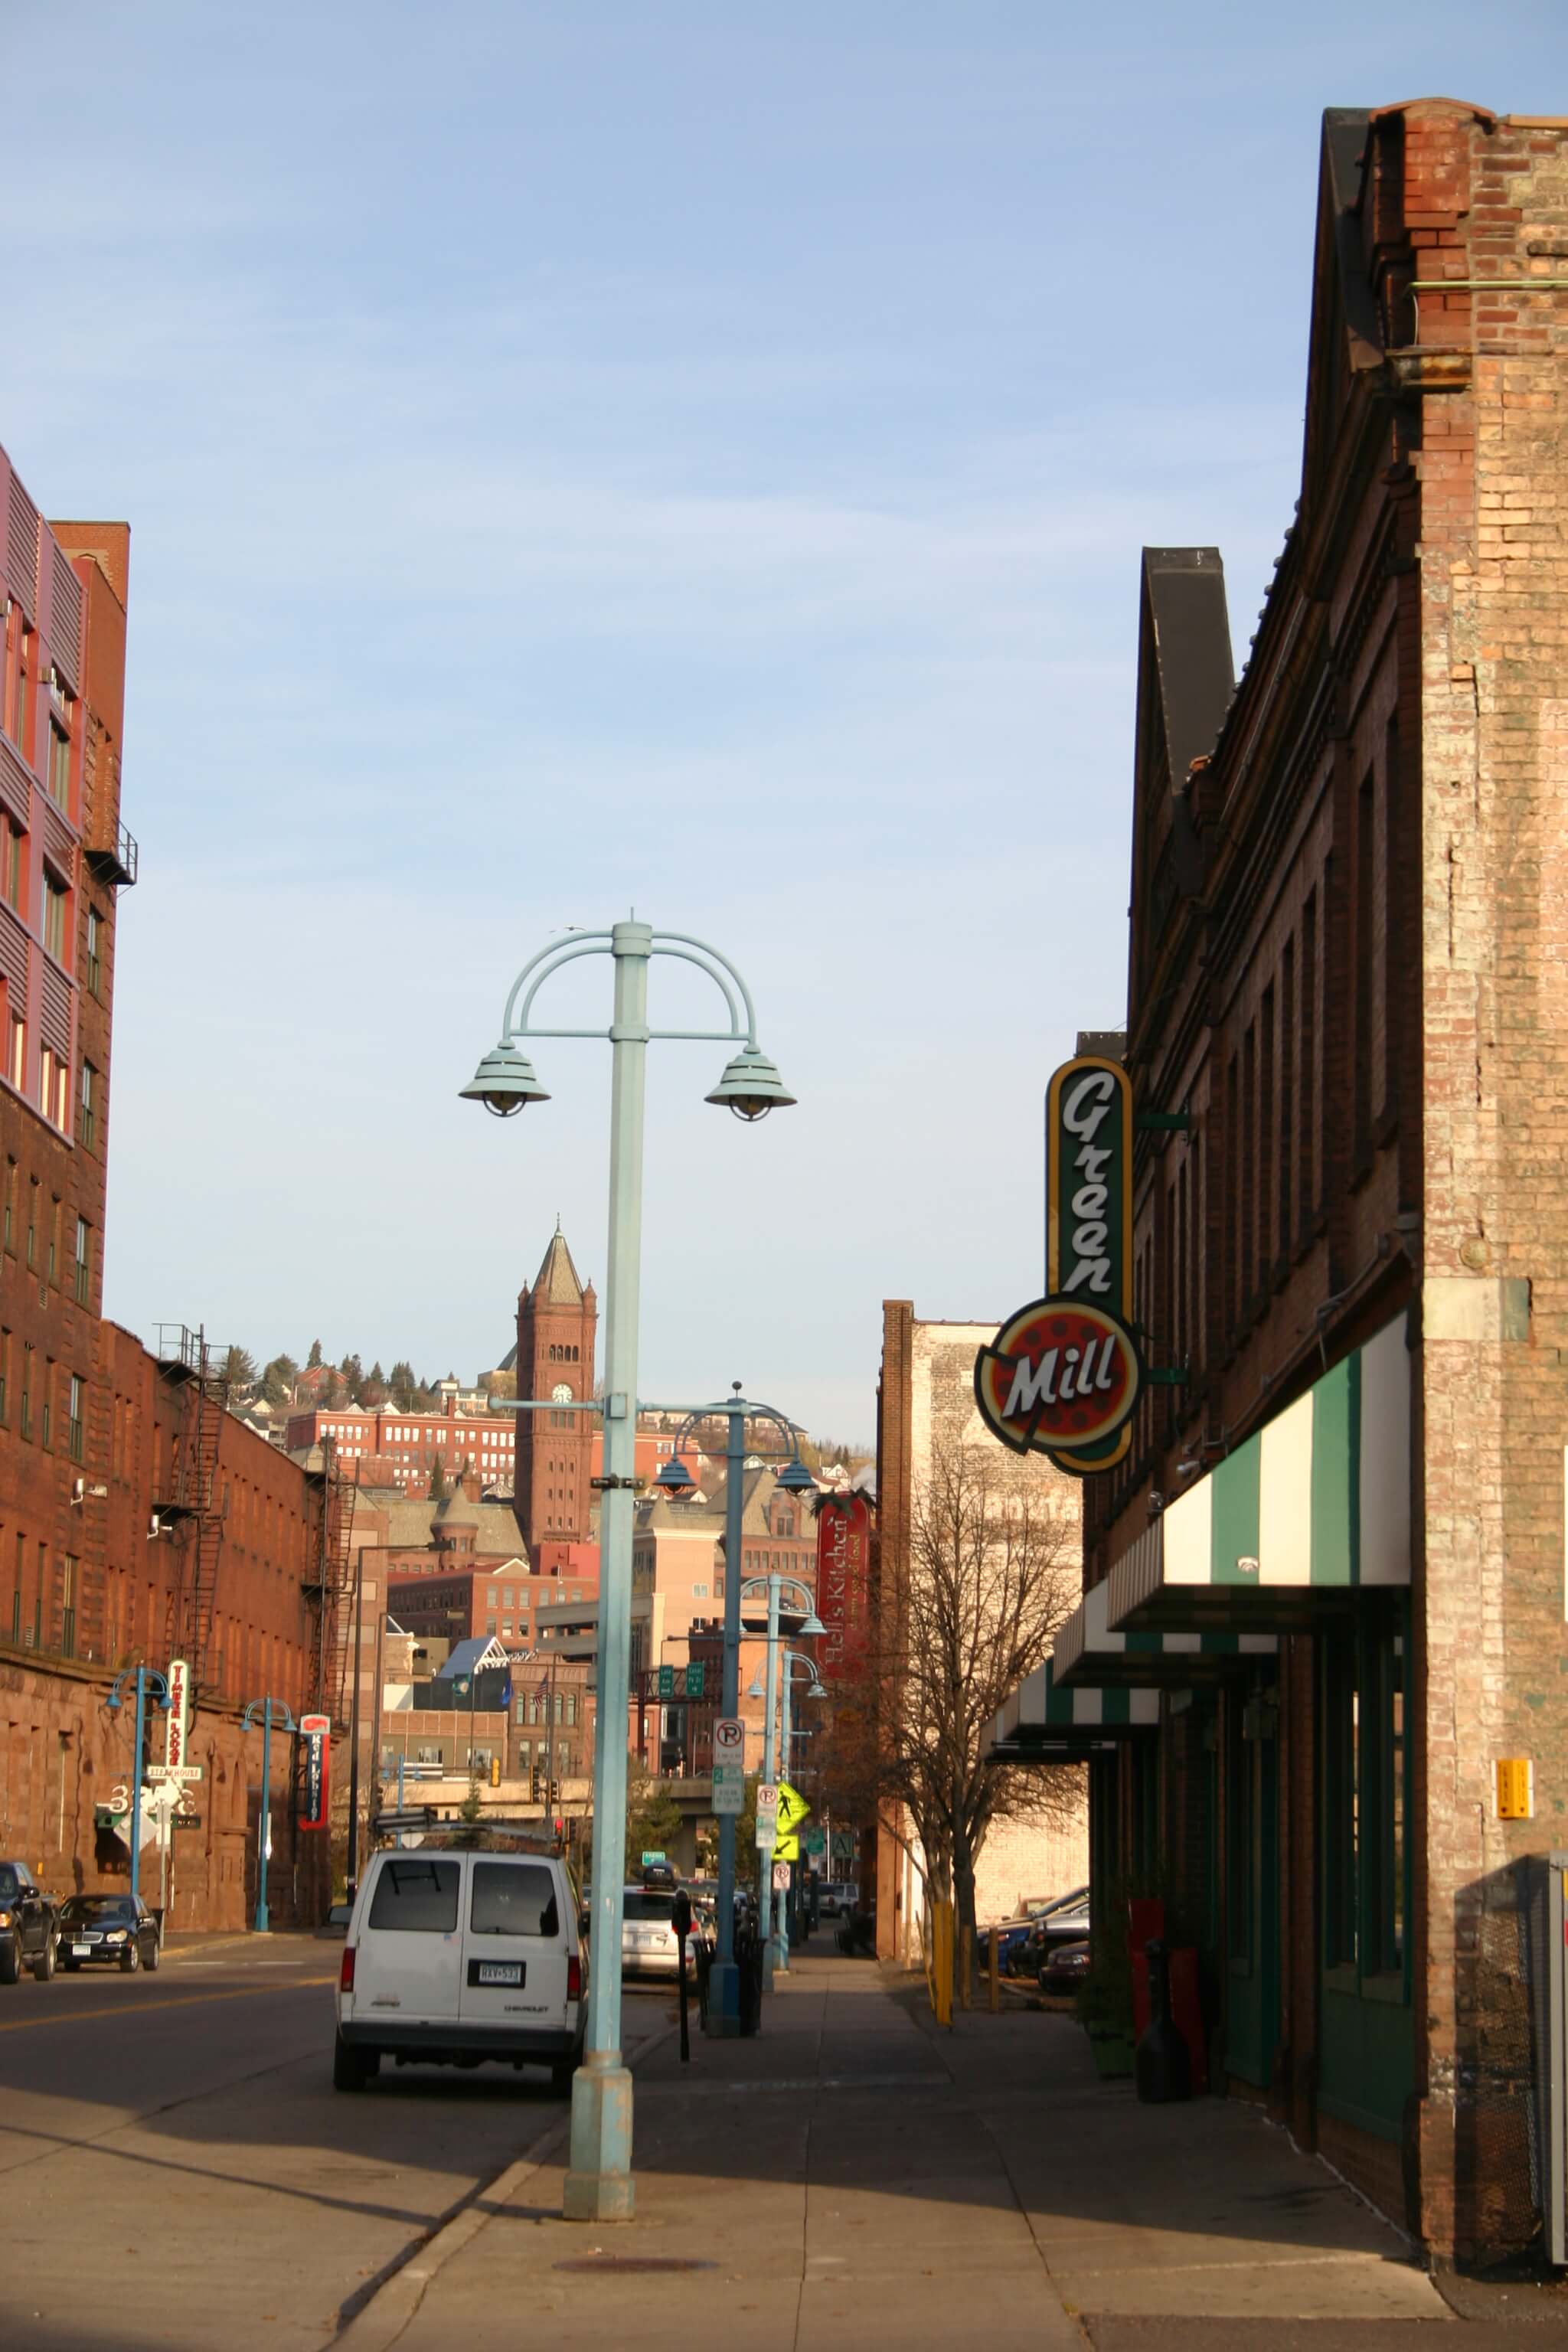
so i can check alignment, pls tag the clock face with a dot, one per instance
(560, 1393)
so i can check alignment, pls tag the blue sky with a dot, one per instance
(696, 457)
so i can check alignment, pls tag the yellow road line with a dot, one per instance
(140, 2008)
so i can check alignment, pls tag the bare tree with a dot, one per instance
(992, 1573)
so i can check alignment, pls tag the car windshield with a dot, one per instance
(641, 1903)
(98, 1906)
(9, 1883)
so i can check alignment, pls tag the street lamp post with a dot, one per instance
(723, 1983)
(814, 1689)
(147, 1680)
(775, 1950)
(273, 1710)
(598, 2186)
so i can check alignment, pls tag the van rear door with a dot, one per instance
(409, 1964)
(515, 1944)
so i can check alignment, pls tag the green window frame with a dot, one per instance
(1365, 1800)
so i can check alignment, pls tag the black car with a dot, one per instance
(26, 1924)
(118, 1927)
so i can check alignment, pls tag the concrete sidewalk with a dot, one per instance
(851, 2175)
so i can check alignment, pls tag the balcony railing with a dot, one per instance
(116, 861)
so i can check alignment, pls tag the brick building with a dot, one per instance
(138, 1520)
(925, 1406)
(1336, 1556)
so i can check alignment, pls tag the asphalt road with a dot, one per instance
(176, 2169)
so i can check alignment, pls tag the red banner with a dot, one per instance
(843, 1584)
(315, 1730)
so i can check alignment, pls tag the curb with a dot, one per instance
(392, 2304)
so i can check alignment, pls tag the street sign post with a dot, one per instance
(767, 1816)
(729, 1765)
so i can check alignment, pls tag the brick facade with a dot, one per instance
(1349, 943)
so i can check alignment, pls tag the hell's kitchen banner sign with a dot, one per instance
(843, 1582)
(315, 1734)
(1063, 1375)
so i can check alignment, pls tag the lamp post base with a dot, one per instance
(599, 2186)
(723, 2022)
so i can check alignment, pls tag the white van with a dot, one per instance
(454, 1958)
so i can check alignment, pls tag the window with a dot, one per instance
(78, 1408)
(417, 1897)
(16, 1055)
(13, 868)
(83, 1283)
(10, 1226)
(87, 1122)
(68, 1605)
(513, 1898)
(94, 951)
(55, 899)
(59, 765)
(19, 695)
(4, 1377)
(26, 1390)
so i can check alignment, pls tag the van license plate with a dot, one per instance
(500, 1972)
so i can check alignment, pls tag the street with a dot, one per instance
(176, 2169)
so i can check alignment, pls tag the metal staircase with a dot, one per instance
(194, 1507)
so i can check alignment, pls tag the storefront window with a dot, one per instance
(1364, 1796)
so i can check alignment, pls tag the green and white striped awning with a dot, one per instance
(1044, 1724)
(1089, 1649)
(1313, 1508)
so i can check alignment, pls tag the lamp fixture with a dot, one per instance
(504, 1082)
(751, 1085)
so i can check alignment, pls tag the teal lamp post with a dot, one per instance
(802, 1606)
(599, 2178)
(268, 1712)
(812, 1686)
(674, 1479)
(149, 1683)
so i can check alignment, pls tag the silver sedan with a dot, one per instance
(649, 1943)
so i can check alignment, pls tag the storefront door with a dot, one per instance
(1252, 1884)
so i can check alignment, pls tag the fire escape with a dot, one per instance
(329, 1591)
(192, 1509)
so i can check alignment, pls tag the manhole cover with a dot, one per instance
(621, 2264)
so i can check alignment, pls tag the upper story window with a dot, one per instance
(59, 773)
(94, 951)
(56, 898)
(18, 646)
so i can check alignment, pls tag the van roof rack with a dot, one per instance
(490, 1834)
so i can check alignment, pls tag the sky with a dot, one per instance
(692, 458)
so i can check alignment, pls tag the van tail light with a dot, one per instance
(346, 1973)
(574, 1978)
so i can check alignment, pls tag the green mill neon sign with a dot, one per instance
(1064, 1374)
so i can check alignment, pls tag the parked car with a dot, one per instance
(336, 1923)
(1065, 1968)
(26, 1924)
(1064, 1920)
(649, 1943)
(839, 1895)
(455, 1958)
(118, 1927)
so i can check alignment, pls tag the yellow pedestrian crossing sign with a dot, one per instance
(792, 1809)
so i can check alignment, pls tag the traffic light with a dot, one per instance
(495, 1772)
(554, 1794)
(535, 1785)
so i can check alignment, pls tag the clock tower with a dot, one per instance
(556, 1320)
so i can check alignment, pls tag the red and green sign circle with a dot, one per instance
(1060, 1374)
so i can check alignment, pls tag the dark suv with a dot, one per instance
(27, 1933)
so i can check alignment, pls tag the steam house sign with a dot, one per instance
(1063, 1375)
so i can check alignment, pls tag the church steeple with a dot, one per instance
(557, 1318)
